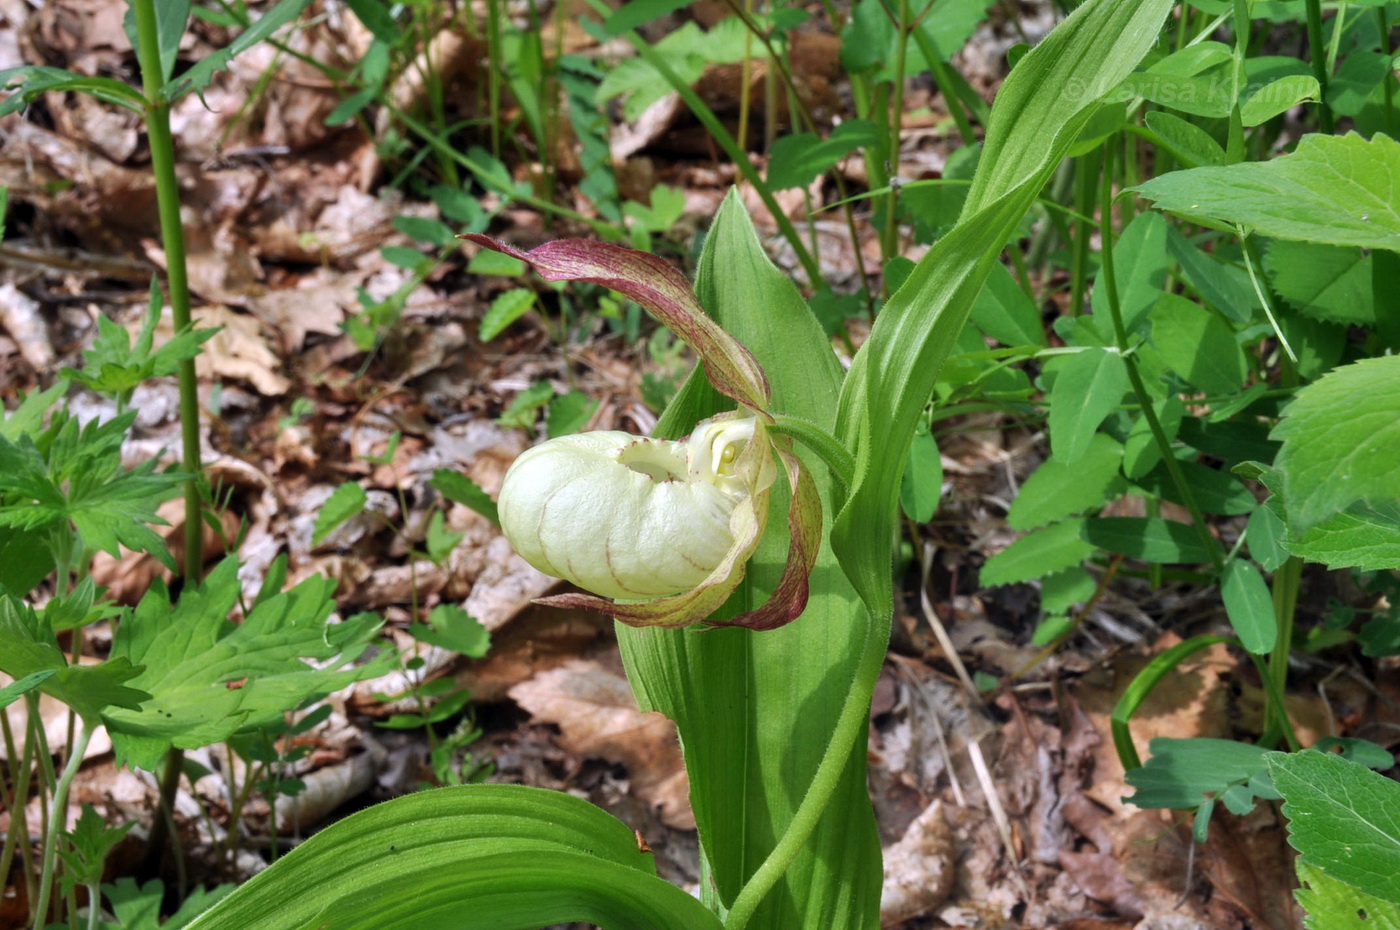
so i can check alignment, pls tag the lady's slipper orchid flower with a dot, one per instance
(663, 527)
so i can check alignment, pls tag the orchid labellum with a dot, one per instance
(663, 528)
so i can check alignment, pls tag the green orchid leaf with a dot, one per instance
(492, 857)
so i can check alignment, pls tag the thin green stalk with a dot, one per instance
(835, 456)
(850, 726)
(1286, 582)
(889, 241)
(1110, 281)
(18, 835)
(1387, 85)
(57, 818)
(943, 76)
(1319, 64)
(1086, 172)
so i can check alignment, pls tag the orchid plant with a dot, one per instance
(761, 638)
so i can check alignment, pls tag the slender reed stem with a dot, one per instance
(1319, 64)
(1285, 590)
(58, 818)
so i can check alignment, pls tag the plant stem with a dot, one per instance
(1319, 64)
(172, 235)
(850, 726)
(1285, 590)
(834, 455)
(57, 819)
(1110, 281)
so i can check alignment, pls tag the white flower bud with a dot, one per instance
(629, 517)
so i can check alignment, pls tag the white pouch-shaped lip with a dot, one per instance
(632, 518)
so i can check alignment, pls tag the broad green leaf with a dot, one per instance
(1327, 282)
(17, 689)
(1151, 539)
(798, 159)
(1340, 435)
(1232, 440)
(1278, 97)
(524, 407)
(25, 559)
(1343, 818)
(1087, 389)
(345, 502)
(1338, 190)
(869, 39)
(510, 857)
(1034, 123)
(425, 229)
(1334, 905)
(1004, 312)
(1198, 345)
(456, 486)
(1056, 490)
(198, 76)
(1061, 590)
(1215, 491)
(505, 310)
(1188, 142)
(636, 13)
(209, 679)
(1038, 553)
(1224, 286)
(1361, 74)
(758, 749)
(1264, 536)
(1140, 260)
(1140, 450)
(1249, 605)
(688, 50)
(922, 487)
(1181, 773)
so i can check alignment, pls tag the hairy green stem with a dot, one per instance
(57, 820)
(1319, 64)
(1115, 310)
(851, 726)
(835, 456)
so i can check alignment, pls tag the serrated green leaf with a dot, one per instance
(1063, 589)
(25, 559)
(1361, 537)
(505, 310)
(1334, 905)
(345, 502)
(1343, 818)
(1056, 490)
(569, 413)
(197, 78)
(425, 229)
(208, 679)
(1327, 282)
(1249, 605)
(1198, 345)
(456, 486)
(507, 855)
(452, 628)
(1151, 539)
(1333, 189)
(524, 407)
(438, 540)
(1182, 773)
(1038, 553)
(1087, 389)
(1340, 435)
